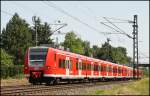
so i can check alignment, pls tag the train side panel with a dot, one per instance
(50, 64)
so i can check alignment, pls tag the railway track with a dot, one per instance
(35, 89)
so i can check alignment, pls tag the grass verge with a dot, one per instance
(140, 87)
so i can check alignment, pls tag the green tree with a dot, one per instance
(119, 55)
(73, 43)
(16, 38)
(43, 32)
(110, 53)
(87, 49)
(6, 59)
(95, 50)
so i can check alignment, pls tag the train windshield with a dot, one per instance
(37, 56)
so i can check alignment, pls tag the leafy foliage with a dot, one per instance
(6, 59)
(110, 53)
(74, 43)
(43, 32)
(87, 49)
(11, 71)
(16, 38)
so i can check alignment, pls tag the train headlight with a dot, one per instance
(26, 67)
(47, 67)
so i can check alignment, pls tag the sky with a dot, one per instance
(90, 13)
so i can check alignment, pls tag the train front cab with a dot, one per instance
(34, 65)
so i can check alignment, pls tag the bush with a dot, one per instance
(11, 71)
(6, 59)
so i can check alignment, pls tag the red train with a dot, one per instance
(49, 65)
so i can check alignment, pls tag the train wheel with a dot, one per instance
(91, 80)
(34, 82)
(48, 83)
(57, 81)
(103, 79)
(69, 81)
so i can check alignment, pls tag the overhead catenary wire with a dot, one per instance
(91, 11)
(110, 27)
(129, 21)
(50, 4)
(121, 31)
(114, 25)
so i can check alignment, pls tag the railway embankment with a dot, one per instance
(140, 87)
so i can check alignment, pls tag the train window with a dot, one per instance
(61, 63)
(122, 70)
(103, 68)
(109, 69)
(70, 64)
(92, 67)
(114, 70)
(99, 67)
(83, 66)
(76, 65)
(66, 64)
(119, 70)
(38, 53)
(125, 71)
(88, 66)
(95, 67)
(55, 56)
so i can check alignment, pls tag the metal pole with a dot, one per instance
(135, 47)
(36, 34)
(137, 62)
(34, 21)
(57, 42)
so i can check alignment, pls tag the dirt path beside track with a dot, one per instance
(14, 82)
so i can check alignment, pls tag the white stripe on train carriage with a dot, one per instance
(64, 76)
(83, 76)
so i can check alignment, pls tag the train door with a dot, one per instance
(79, 67)
(92, 67)
(107, 69)
(99, 69)
(67, 66)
